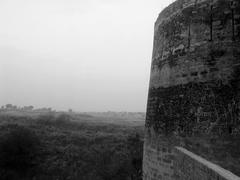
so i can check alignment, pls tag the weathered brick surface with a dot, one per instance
(194, 92)
(158, 159)
(189, 166)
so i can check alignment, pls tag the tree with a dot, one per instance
(8, 106)
(31, 108)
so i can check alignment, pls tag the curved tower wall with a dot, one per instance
(194, 91)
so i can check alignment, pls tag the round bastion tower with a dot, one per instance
(194, 90)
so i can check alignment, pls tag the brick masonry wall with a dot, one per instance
(189, 166)
(194, 91)
(158, 159)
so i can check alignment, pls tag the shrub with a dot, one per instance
(51, 120)
(46, 119)
(135, 148)
(63, 119)
(18, 150)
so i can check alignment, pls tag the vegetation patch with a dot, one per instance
(65, 148)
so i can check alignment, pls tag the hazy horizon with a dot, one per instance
(90, 55)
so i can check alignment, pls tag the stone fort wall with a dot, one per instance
(194, 91)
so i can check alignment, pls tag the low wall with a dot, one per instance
(189, 166)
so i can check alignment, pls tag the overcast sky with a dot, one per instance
(88, 55)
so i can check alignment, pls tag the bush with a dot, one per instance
(18, 151)
(51, 120)
(135, 148)
(46, 119)
(63, 119)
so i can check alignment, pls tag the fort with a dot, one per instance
(192, 129)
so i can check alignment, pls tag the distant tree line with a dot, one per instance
(9, 107)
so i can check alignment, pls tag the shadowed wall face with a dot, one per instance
(194, 98)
